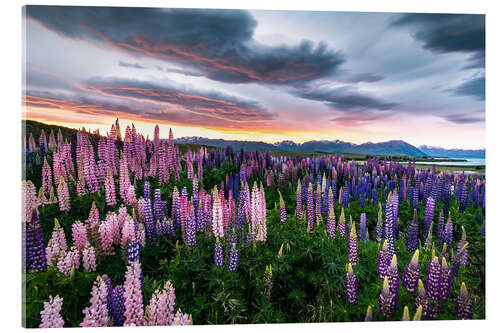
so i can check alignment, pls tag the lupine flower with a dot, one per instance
(63, 194)
(79, 234)
(429, 214)
(351, 286)
(380, 224)
(460, 245)
(88, 258)
(383, 261)
(448, 232)
(440, 229)
(369, 313)
(218, 255)
(310, 208)
(341, 225)
(433, 285)
(50, 315)
(330, 223)
(191, 230)
(56, 244)
(362, 227)
(412, 274)
(385, 300)
(317, 206)
(109, 187)
(161, 306)
(446, 280)
(217, 223)
(463, 304)
(282, 209)
(268, 282)
(181, 319)
(96, 315)
(353, 246)
(134, 313)
(412, 239)
(117, 305)
(36, 259)
(389, 226)
(418, 313)
(421, 300)
(428, 240)
(233, 258)
(393, 279)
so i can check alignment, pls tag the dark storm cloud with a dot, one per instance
(344, 98)
(463, 118)
(475, 87)
(217, 43)
(129, 65)
(444, 33)
(209, 103)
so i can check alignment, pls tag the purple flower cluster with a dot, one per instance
(412, 274)
(218, 254)
(351, 286)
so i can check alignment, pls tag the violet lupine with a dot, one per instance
(158, 208)
(96, 315)
(88, 258)
(133, 252)
(389, 226)
(351, 286)
(218, 255)
(310, 208)
(50, 315)
(460, 246)
(282, 209)
(134, 313)
(362, 227)
(109, 187)
(149, 225)
(353, 246)
(36, 259)
(440, 229)
(341, 229)
(433, 285)
(393, 278)
(79, 234)
(385, 300)
(262, 228)
(448, 232)
(317, 206)
(412, 238)
(117, 305)
(446, 280)
(330, 223)
(412, 274)
(421, 300)
(63, 195)
(232, 264)
(395, 204)
(298, 197)
(463, 304)
(379, 229)
(429, 214)
(383, 260)
(191, 229)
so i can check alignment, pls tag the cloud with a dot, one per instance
(208, 103)
(129, 65)
(445, 33)
(474, 87)
(463, 118)
(217, 43)
(364, 77)
(343, 98)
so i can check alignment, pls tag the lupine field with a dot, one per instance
(123, 230)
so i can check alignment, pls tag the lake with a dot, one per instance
(468, 162)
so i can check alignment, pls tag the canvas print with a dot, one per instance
(217, 166)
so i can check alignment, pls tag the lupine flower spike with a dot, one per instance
(412, 274)
(351, 286)
(463, 304)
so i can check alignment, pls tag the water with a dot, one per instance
(468, 162)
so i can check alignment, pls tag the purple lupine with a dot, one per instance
(317, 206)
(421, 300)
(393, 279)
(383, 260)
(448, 232)
(158, 207)
(385, 300)
(353, 246)
(35, 249)
(460, 246)
(147, 190)
(330, 223)
(218, 255)
(282, 209)
(433, 286)
(341, 225)
(133, 252)
(446, 280)
(351, 286)
(412, 238)
(310, 208)
(379, 229)
(191, 230)
(117, 308)
(395, 205)
(463, 304)
(362, 227)
(440, 229)
(150, 226)
(412, 274)
(429, 214)
(389, 227)
(298, 197)
(233, 258)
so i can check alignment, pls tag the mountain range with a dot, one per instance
(452, 153)
(388, 148)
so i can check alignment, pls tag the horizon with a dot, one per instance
(352, 76)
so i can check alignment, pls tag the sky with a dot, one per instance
(259, 75)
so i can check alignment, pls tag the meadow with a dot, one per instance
(127, 230)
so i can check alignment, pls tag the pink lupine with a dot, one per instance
(28, 199)
(109, 187)
(128, 232)
(57, 243)
(46, 177)
(88, 258)
(106, 236)
(74, 256)
(42, 199)
(96, 315)
(79, 233)
(161, 306)
(63, 194)
(131, 198)
(134, 313)
(141, 235)
(65, 262)
(181, 319)
(217, 223)
(50, 315)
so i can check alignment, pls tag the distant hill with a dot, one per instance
(388, 148)
(452, 153)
